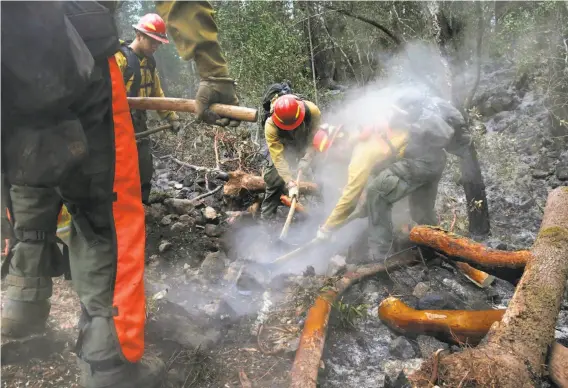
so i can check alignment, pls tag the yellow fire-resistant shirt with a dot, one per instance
(366, 154)
(305, 136)
(194, 31)
(149, 83)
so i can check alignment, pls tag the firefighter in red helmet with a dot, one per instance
(289, 133)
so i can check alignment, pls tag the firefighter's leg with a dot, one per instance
(146, 166)
(274, 188)
(382, 192)
(26, 304)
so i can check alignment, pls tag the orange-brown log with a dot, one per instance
(288, 202)
(456, 326)
(241, 182)
(466, 249)
(479, 278)
(304, 371)
(184, 105)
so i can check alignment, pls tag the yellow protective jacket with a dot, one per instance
(194, 31)
(285, 146)
(150, 85)
(366, 155)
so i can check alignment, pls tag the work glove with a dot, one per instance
(293, 190)
(216, 90)
(176, 125)
(323, 234)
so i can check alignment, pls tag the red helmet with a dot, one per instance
(153, 25)
(325, 136)
(289, 112)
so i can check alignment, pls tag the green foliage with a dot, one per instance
(348, 313)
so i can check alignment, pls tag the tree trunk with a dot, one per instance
(515, 350)
(476, 198)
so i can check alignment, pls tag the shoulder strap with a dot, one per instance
(132, 68)
(308, 116)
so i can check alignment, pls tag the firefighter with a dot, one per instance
(289, 132)
(67, 136)
(401, 157)
(138, 66)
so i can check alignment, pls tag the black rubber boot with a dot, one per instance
(20, 319)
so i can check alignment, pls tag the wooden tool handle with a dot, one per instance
(184, 105)
(284, 232)
(153, 130)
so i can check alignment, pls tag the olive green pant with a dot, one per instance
(145, 159)
(275, 187)
(419, 181)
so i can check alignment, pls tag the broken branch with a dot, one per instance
(453, 326)
(240, 182)
(466, 249)
(479, 278)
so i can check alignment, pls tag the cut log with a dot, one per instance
(304, 371)
(515, 349)
(240, 182)
(467, 250)
(453, 326)
(479, 278)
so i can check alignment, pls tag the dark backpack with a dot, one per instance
(133, 68)
(274, 90)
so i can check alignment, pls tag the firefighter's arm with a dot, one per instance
(276, 149)
(194, 32)
(314, 126)
(365, 155)
(158, 92)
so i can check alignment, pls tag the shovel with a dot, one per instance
(286, 227)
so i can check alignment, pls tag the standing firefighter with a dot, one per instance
(67, 136)
(404, 156)
(138, 67)
(289, 132)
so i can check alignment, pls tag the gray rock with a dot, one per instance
(232, 272)
(210, 214)
(439, 301)
(164, 246)
(219, 309)
(420, 290)
(401, 348)
(213, 266)
(562, 173)
(166, 220)
(187, 219)
(429, 345)
(392, 368)
(212, 230)
(496, 244)
(179, 206)
(456, 288)
(540, 174)
(155, 211)
(178, 227)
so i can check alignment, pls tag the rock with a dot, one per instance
(213, 266)
(336, 264)
(179, 206)
(456, 288)
(219, 309)
(212, 230)
(400, 382)
(439, 301)
(392, 368)
(429, 345)
(187, 219)
(178, 186)
(232, 272)
(562, 173)
(175, 377)
(420, 290)
(155, 211)
(177, 227)
(540, 174)
(164, 246)
(496, 244)
(401, 348)
(210, 213)
(166, 220)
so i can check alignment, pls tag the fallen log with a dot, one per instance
(467, 250)
(304, 371)
(477, 277)
(515, 349)
(453, 326)
(286, 201)
(240, 182)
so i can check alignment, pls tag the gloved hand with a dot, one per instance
(323, 234)
(216, 90)
(176, 125)
(293, 190)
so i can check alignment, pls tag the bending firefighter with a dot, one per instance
(404, 157)
(289, 132)
(138, 67)
(67, 137)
